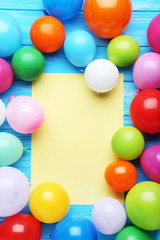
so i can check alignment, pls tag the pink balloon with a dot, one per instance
(153, 34)
(146, 71)
(150, 162)
(6, 75)
(25, 114)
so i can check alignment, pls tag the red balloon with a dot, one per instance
(20, 227)
(145, 111)
(107, 18)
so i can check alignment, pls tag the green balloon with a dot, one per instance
(11, 149)
(133, 233)
(128, 143)
(123, 50)
(143, 205)
(28, 63)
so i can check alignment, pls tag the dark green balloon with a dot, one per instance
(28, 63)
(133, 233)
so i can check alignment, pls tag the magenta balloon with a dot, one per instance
(150, 162)
(6, 75)
(153, 34)
(14, 191)
(25, 114)
(109, 216)
(146, 71)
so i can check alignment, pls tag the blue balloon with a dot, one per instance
(74, 228)
(80, 48)
(10, 35)
(158, 235)
(62, 9)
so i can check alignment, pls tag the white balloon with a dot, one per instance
(2, 112)
(109, 216)
(101, 75)
(14, 191)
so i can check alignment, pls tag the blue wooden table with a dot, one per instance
(26, 12)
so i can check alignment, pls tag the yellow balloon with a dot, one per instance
(49, 202)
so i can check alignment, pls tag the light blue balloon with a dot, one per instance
(62, 9)
(10, 35)
(11, 149)
(158, 235)
(80, 48)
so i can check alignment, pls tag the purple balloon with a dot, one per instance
(14, 191)
(146, 71)
(153, 34)
(150, 162)
(109, 216)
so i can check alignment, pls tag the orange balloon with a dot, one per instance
(121, 175)
(107, 18)
(47, 34)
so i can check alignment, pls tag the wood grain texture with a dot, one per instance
(57, 63)
(26, 12)
(137, 27)
(145, 5)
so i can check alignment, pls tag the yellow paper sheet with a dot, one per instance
(73, 147)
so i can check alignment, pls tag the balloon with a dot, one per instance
(133, 233)
(63, 9)
(28, 63)
(47, 34)
(108, 216)
(2, 112)
(49, 202)
(107, 19)
(11, 149)
(158, 235)
(74, 228)
(80, 48)
(128, 143)
(101, 75)
(144, 111)
(146, 72)
(6, 75)
(150, 162)
(121, 175)
(14, 191)
(142, 205)
(10, 33)
(20, 226)
(123, 50)
(153, 34)
(29, 114)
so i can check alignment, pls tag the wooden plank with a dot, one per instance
(145, 5)
(137, 27)
(58, 63)
(79, 210)
(22, 4)
(55, 61)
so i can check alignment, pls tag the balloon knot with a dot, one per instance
(45, 12)
(82, 69)
(25, 150)
(138, 91)
(11, 97)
